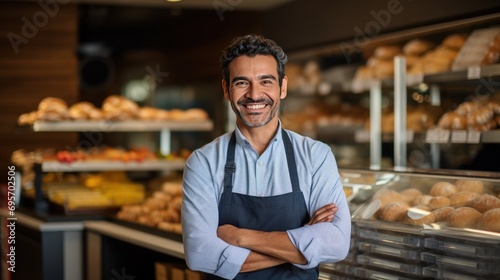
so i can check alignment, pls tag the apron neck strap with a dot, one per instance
(230, 167)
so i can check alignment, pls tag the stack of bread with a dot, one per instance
(458, 204)
(438, 59)
(422, 57)
(162, 210)
(418, 119)
(380, 65)
(114, 108)
(480, 115)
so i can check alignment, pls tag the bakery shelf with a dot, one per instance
(119, 126)
(462, 136)
(110, 165)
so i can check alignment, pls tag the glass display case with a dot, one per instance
(411, 224)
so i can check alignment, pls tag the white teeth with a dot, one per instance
(255, 107)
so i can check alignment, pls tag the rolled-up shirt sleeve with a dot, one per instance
(324, 242)
(203, 250)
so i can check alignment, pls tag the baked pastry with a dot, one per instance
(393, 211)
(410, 194)
(424, 199)
(363, 73)
(427, 219)
(387, 52)
(388, 196)
(52, 109)
(443, 189)
(464, 217)
(417, 47)
(484, 202)
(384, 69)
(116, 107)
(441, 214)
(49, 102)
(466, 107)
(195, 114)
(462, 198)
(454, 41)
(490, 220)
(469, 185)
(439, 202)
(84, 111)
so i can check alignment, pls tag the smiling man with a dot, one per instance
(262, 202)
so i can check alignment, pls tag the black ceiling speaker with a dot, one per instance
(96, 68)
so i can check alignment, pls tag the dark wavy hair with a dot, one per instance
(252, 45)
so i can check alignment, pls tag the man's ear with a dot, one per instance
(225, 89)
(284, 85)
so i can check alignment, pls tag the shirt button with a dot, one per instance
(260, 163)
(261, 194)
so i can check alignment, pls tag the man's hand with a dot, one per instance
(324, 214)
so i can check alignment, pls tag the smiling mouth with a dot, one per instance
(255, 107)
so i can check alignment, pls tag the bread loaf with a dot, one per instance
(443, 189)
(490, 220)
(462, 198)
(484, 203)
(464, 217)
(441, 214)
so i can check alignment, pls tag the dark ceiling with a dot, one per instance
(125, 27)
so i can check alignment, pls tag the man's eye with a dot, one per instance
(240, 84)
(267, 82)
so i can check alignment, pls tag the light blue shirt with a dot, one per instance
(264, 175)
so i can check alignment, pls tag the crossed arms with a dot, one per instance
(270, 249)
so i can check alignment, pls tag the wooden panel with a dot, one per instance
(45, 65)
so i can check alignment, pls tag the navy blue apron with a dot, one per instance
(273, 213)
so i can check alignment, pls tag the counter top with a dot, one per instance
(137, 237)
(41, 225)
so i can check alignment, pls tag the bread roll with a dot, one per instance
(490, 220)
(454, 41)
(441, 214)
(464, 217)
(466, 108)
(439, 202)
(49, 102)
(462, 198)
(417, 47)
(387, 52)
(422, 200)
(427, 219)
(410, 194)
(484, 202)
(469, 185)
(443, 189)
(147, 113)
(195, 114)
(388, 196)
(363, 73)
(82, 111)
(116, 107)
(393, 211)
(384, 69)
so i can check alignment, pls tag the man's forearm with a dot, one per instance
(275, 244)
(257, 261)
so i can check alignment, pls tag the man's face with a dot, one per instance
(254, 91)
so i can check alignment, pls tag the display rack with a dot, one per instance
(111, 165)
(119, 126)
(164, 127)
